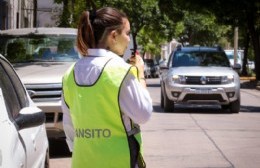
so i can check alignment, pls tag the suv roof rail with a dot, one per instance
(218, 47)
(179, 46)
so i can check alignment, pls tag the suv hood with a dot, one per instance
(41, 72)
(202, 71)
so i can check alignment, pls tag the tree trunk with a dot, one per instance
(35, 6)
(90, 5)
(256, 44)
(244, 68)
(65, 15)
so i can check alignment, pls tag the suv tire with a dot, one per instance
(167, 104)
(162, 99)
(225, 107)
(234, 106)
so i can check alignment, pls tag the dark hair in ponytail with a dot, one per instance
(94, 26)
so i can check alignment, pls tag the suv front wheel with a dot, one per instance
(162, 99)
(234, 106)
(166, 103)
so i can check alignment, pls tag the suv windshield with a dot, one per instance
(38, 48)
(200, 58)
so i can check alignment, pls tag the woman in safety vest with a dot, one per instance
(104, 98)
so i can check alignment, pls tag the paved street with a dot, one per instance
(199, 136)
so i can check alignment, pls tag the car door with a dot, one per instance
(12, 148)
(25, 141)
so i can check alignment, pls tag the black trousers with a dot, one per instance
(135, 153)
(134, 150)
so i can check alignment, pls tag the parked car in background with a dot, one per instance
(200, 75)
(24, 140)
(41, 56)
(230, 55)
(152, 66)
(251, 64)
(147, 71)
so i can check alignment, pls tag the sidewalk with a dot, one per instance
(249, 82)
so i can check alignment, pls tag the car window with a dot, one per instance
(34, 48)
(231, 55)
(13, 91)
(200, 58)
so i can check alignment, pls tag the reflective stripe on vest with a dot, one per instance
(100, 135)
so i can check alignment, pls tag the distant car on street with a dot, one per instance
(251, 64)
(153, 67)
(239, 59)
(41, 56)
(23, 135)
(200, 75)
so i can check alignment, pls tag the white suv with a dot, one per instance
(200, 75)
(24, 140)
(41, 56)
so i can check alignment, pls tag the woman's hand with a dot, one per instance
(137, 61)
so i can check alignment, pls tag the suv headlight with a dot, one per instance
(227, 79)
(179, 79)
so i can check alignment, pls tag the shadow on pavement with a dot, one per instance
(58, 148)
(250, 109)
(153, 85)
(206, 109)
(248, 84)
(199, 109)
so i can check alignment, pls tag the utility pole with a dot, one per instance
(35, 6)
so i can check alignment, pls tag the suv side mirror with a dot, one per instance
(237, 67)
(29, 117)
(163, 65)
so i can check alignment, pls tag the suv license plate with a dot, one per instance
(202, 91)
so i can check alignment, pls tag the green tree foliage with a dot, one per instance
(66, 13)
(199, 29)
(244, 14)
(150, 41)
(140, 13)
(16, 51)
(192, 27)
(144, 17)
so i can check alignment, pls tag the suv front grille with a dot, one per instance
(204, 97)
(197, 80)
(44, 92)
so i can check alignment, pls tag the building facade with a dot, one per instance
(16, 14)
(166, 49)
(48, 13)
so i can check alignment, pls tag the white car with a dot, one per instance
(41, 56)
(200, 75)
(24, 140)
(251, 64)
(230, 55)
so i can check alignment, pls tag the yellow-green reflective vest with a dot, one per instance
(100, 135)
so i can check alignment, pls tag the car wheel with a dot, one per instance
(225, 107)
(162, 100)
(234, 106)
(168, 104)
(47, 160)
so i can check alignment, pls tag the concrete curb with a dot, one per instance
(247, 78)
